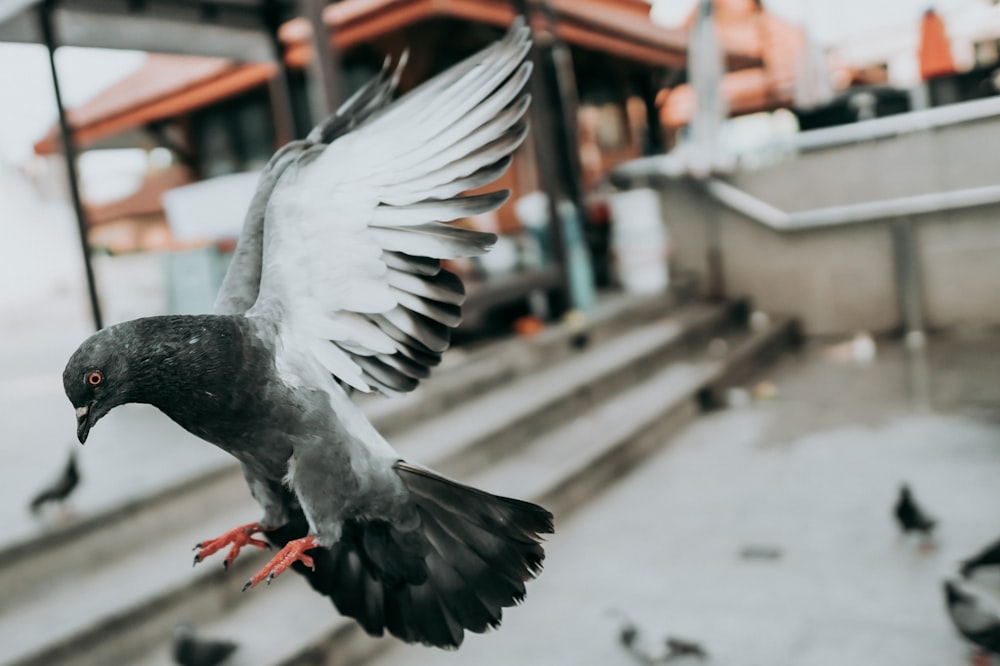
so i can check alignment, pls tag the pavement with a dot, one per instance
(805, 481)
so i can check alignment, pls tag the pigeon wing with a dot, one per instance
(241, 285)
(354, 230)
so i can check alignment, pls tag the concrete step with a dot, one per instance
(567, 466)
(31, 567)
(153, 604)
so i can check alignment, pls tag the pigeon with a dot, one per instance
(336, 286)
(988, 556)
(679, 647)
(60, 489)
(189, 650)
(976, 616)
(910, 516)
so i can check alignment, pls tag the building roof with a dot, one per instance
(170, 85)
(780, 44)
(617, 27)
(164, 86)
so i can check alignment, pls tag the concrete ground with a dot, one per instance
(811, 475)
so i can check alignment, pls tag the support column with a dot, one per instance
(69, 152)
(325, 85)
(279, 88)
(909, 285)
(546, 132)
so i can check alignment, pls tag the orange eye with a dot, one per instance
(95, 378)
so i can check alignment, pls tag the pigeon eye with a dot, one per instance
(94, 378)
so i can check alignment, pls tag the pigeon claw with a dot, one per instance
(294, 551)
(236, 538)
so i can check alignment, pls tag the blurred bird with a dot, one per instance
(60, 489)
(189, 650)
(336, 285)
(988, 556)
(911, 517)
(976, 616)
(628, 637)
(679, 647)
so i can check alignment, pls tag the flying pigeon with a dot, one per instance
(336, 286)
(976, 616)
(60, 489)
(988, 556)
(910, 516)
(190, 650)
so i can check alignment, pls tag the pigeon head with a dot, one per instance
(95, 378)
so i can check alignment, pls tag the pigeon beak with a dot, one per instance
(83, 422)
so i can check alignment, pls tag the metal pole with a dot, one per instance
(278, 87)
(544, 133)
(909, 288)
(69, 152)
(325, 84)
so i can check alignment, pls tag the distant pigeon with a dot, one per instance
(679, 647)
(988, 556)
(910, 516)
(60, 489)
(975, 615)
(336, 285)
(189, 650)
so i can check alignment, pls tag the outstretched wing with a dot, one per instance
(240, 287)
(354, 231)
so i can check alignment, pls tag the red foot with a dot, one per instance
(294, 551)
(238, 537)
(980, 658)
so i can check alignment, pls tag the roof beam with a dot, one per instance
(144, 33)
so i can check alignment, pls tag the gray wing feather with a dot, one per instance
(241, 284)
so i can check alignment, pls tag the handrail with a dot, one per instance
(919, 204)
(890, 126)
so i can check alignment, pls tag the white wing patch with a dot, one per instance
(354, 230)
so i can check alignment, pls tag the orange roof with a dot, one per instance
(617, 27)
(779, 43)
(165, 85)
(169, 85)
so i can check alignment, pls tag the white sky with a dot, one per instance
(29, 110)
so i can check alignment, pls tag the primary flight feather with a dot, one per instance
(337, 285)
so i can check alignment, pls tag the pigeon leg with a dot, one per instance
(981, 658)
(237, 537)
(294, 551)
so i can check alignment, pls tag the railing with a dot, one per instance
(832, 216)
(890, 126)
(900, 211)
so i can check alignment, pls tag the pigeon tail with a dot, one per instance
(460, 557)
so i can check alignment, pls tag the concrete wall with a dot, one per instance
(841, 280)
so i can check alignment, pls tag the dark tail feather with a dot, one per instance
(463, 558)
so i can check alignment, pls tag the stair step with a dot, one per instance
(468, 373)
(36, 564)
(482, 430)
(562, 469)
(154, 605)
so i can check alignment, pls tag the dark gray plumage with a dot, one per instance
(910, 516)
(190, 650)
(680, 647)
(974, 615)
(60, 489)
(987, 557)
(336, 285)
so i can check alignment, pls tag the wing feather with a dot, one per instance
(352, 226)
